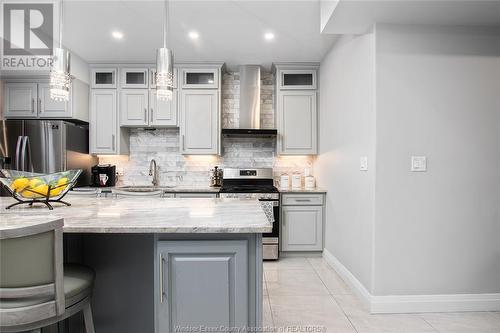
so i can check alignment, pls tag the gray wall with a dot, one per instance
(438, 94)
(347, 131)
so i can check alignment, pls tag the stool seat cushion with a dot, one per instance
(78, 280)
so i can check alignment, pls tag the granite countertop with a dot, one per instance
(303, 190)
(146, 215)
(166, 189)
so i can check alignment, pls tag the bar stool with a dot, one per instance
(36, 289)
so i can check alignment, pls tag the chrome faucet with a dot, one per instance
(153, 171)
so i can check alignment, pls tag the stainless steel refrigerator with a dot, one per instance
(46, 146)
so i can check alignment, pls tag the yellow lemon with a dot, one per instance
(19, 183)
(41, 190)
(56, 191)
(62, 181)
(34, 182)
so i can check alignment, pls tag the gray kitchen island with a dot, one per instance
(165, 265)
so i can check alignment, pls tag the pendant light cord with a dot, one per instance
(60, 23)
(165, 24)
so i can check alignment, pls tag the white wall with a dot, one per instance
(347, 131)
(438, 94)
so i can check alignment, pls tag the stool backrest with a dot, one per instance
(31, 268)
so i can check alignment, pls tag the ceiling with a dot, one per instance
(229, 31)
(359, 16)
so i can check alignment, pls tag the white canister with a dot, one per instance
(310, 182)
(296, 181)
(285, 182)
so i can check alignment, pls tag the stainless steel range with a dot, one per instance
(255, 184)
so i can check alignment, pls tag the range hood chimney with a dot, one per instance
(249, 111)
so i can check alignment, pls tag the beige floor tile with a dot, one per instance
(464, 322)
(318, 262)
(332, 281)
(364, 322)
(267, 318)
(309, 310)
(294, 283)
(291, 263)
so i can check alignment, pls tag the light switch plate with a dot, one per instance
(363, 163)
(418, 163)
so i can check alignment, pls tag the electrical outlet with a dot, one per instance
(418, 163)
(363, 163)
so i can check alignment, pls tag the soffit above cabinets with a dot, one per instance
(358, 17)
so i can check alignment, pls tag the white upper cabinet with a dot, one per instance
(200, 78)
(297, 122)
(162, 113)
(134, 77)
(32, 100)
(296, 108)
(134, 107)
(103, 121)
(199, 123)
(21, 100)
(103, 78)
(49, 108)
(297, 79)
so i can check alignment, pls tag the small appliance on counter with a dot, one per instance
(104, 175)
(216, 177)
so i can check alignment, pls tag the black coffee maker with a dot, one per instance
(104, 175)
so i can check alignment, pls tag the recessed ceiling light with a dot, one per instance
(117, 35)
(269, 36)
(193, 35)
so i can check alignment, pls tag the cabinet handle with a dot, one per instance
(40, 105)
(113, 141)
(151, 115)
(162, 264)
(32, 105)
(182, 143)
(145, 115)
(303, 200)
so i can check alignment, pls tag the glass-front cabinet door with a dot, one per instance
(200, 78)
(297, 79)
(104, 78)
(134, 77)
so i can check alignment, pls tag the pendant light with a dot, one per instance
(164, 65)
(59, 73)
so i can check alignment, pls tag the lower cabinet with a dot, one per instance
(202, 283)
(302, 224)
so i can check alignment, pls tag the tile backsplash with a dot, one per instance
(176, 169)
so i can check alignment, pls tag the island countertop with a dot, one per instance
(146, 215)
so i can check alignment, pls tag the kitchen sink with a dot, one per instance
(141, 188)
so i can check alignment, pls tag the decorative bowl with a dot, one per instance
(28, 187)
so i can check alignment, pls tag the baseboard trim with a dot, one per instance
(414, 303)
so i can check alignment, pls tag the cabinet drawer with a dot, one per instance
(302, 199)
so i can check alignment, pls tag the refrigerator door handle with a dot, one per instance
(18, 153)
(23, 154)
(26, 152)
(30, 162)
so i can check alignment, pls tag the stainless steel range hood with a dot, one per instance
(249, 111)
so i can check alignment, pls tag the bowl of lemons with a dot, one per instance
(28, 187)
